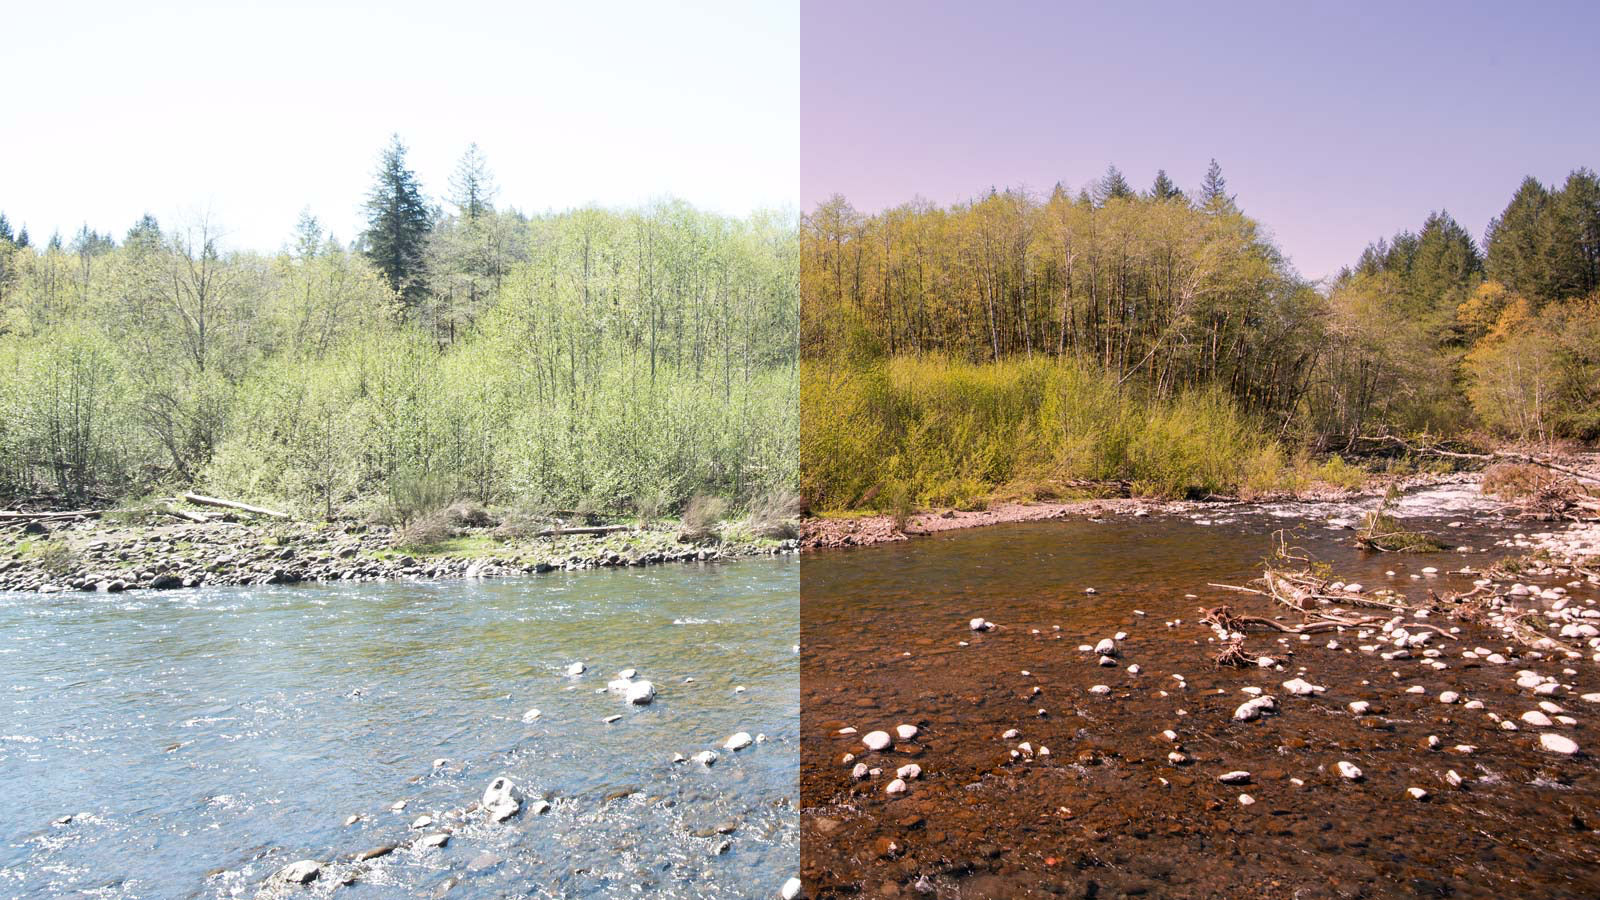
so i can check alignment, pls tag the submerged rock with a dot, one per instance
(640, 693)
(738, 741)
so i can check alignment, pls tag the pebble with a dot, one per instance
(738, 741)
(1536, 718)
(576, 669)
(909, 771)
(790, 889)
(1556, 743)
(705, 757)
(1236, 777)
(438, 839)
(1100, 689)
(1301, 687)
(1449, 697)
(897, 786)
(876, 740)
(906, 732)
(640, 693)
(1246, 800)
(1349, 771)
(531, 715)
(1417, 793)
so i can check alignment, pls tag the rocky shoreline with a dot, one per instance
(876, 528)
(95, 555)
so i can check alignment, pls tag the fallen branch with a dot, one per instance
(18, 516)
(202, 500)
(597, 529)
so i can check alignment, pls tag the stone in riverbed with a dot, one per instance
(531, 715)
(1301, 687)
(790, 889)
(906, 732)
(1349, 771)
(576, 669)
(705, 757)
(738, 741)
(501, 799)
(897, 786)
(980, 624)
(909, 771)
(1536, 718)
(1236, 777)
(303, 871)
(876, 740)
(640, 693)
(1556, 743)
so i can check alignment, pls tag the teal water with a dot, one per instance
(203, 739)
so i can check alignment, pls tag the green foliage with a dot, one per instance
(398, 222)
(947, 433)
(621, 359)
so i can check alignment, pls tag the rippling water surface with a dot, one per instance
(202, 739)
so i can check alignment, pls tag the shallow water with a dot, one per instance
(883, 631)
(202, 739)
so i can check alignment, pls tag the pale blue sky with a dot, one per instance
(1336, 123)
(252, 111)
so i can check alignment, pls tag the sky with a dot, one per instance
(249, 112)
(1335, 123)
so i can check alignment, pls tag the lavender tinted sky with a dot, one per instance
(252, 111)
(1335, 124)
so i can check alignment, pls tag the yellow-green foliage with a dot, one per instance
(948, 432)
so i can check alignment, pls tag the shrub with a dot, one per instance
(1516, 481)
(773, 514)
(700, 518)
(426, 530)
(55, 556)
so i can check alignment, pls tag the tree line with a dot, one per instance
(617, 359)
(1170, 291)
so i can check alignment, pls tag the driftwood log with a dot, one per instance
(203, 500)
(594, 529)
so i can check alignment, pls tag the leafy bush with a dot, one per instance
(426, 531)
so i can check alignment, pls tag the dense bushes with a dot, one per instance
(622, 361)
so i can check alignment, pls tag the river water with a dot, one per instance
(886, 640)
(200, 740)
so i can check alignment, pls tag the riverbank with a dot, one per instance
(240, 550)
(852, 530)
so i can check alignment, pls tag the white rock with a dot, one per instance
(1236, 777)
(432, 841)
(1449, 697)
(1360, 707)
(1107, 661)
(1536, 718)
(738, 741)
(530, 715)
(906, 732)
(577, 669)
(501, 799)
(1301, 687)
(1010, 734)
(1453, 779)
(1100, 689)
(1177, 758)
(790, 889)
(980, 624)
(897, 786)
(1417, 793)
(422, 822)
(627, 674)
(1106, 647)
(876, 740)
(1349, 771)
(1246, 800)
(860, 771)
(909, 771)
(303, 871)
(1556, 743)
(640, 693)
(705, 757)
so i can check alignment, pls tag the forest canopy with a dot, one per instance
(618, 360)
(1174, 299)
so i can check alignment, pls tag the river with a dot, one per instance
(192, 743)
(1106, 813)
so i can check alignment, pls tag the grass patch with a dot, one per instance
(940, 432)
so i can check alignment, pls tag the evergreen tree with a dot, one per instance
(1164, 189)
(472, 187)
(22, 237)
(1113, 186)
(146, 232)
(1581, 196)
(307, 235)
(398, 223)
(5, 230)
(1445, 262)
(1214, 196)
(1513, 240)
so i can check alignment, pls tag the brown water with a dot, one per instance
(1105, 813)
